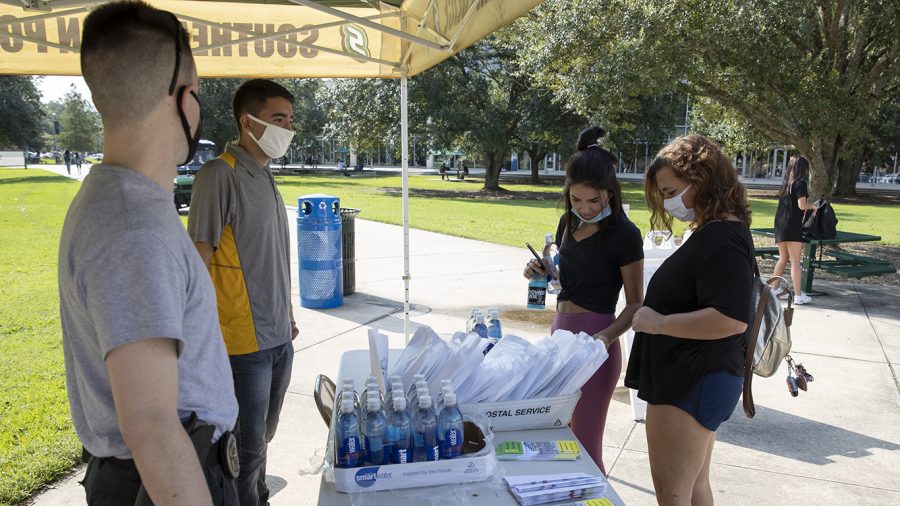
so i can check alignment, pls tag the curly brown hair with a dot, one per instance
(700, 162)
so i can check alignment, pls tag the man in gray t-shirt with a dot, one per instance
(143, 351)
(239, 225)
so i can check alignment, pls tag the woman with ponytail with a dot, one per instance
(687, 360)
(600, 250)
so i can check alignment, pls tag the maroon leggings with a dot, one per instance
(589, 417)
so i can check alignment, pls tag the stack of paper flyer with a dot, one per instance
(538, 450)
(541, 489)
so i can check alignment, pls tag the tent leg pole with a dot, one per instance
(404, 157)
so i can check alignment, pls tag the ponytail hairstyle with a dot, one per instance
(797, 169)
(594, 167)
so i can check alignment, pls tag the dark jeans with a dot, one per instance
(114, 482)
(260, 382)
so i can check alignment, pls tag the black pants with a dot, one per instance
(115, 482)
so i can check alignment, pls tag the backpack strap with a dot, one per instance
(749, 408)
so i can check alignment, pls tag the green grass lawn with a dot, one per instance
(37, 443)
(513, 222)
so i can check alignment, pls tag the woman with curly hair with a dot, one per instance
(687, 361)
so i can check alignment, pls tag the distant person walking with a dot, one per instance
(67, 157)
(78, 159)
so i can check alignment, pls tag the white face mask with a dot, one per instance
(274, 141)
(606, 212)
(675, 206)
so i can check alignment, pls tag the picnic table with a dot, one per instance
(840, 263)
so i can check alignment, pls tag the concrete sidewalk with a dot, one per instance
(839, 443)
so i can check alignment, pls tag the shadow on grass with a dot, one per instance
(34, 179)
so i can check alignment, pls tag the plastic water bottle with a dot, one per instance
(347, 437)
(470, 323)
(551, 257)
(399, 437)
(349, 391)
(480, 328)
(450, 428)
(494, 331)
(394, 378)
(446, 386)
(374, 430)
(412, 388)
(413, 401)
(372, 386)
(537, 292)
(396, 387)
(425, 440)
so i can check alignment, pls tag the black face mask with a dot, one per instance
(192, 141)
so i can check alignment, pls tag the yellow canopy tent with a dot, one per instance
(279, 38)
(272, 38)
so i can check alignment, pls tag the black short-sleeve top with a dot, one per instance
(589, 269)
(789, 216)
(712, 269)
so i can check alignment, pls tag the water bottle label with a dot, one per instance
(348, 453)
(433, 453)
(450, 446)
(537, 296)
(400, 456)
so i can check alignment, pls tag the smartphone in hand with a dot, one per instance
(548, 268)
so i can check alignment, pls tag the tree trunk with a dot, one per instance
(849, 167)
(536, 158)
(847, 176)
(492, 172)
(823, 156)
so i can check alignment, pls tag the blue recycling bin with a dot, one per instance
(319, 251)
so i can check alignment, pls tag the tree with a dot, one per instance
(807, 73)
(476, 99)
(545, 126)
(363, 112)
(80, 128)
(309, 113)
(216, 97)
(20, 102)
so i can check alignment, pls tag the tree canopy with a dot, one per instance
(20, 102)
(80, 128)
(812, 74)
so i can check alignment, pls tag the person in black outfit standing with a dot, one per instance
(792, 203)
(687, 360)
(600, 251)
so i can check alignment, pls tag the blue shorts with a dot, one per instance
(713, 398)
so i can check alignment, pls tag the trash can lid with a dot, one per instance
(348, 213)
(317, 196)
